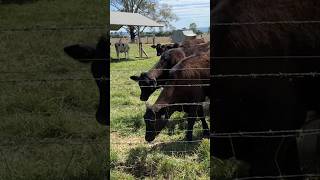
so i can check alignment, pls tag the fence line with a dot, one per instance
(49, 113)
(263, 134)
(37, 72)
(255, 134)
(33, 141)
(98, 79)
(53, 28)
(157, 142)
(125, 130)
(49, 80)
(251, 75)
(266, 22)
(158, 69)
(268, 134)
(268, 75)
(279, 177)
(265, 57)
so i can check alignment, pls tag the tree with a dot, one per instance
(193, 27)
(161, 13)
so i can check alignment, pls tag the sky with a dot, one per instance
(189, 11)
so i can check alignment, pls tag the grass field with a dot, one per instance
(48, 128)
(131, 156)
(166, 158)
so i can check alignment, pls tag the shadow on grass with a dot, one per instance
(116, 60)
(179, 148)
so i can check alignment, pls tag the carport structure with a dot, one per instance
(119, 19)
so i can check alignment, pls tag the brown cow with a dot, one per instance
(157, 76)
(186, 94)
(262, 37)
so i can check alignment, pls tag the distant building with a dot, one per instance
(178, 36)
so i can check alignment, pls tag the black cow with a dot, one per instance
(97, 56)
(159, 74)
(162, 48)
(265, 34)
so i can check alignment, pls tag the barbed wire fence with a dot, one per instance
(262, 134)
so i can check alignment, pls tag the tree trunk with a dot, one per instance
(132, 34)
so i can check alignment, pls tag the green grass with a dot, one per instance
(166, 158)
(46, 126)
(131, 156)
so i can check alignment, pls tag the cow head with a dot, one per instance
(146, 84)
(159, 48)
(155, 120)
(97, 56)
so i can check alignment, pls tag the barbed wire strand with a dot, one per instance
(52, 28)
(279, 176)
(265, 22)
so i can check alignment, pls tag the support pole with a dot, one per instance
(139, 43)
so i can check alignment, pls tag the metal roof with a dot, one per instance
(189, 33)
(119, 19)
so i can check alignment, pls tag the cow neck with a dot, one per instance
(157, 70)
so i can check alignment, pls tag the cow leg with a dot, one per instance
(200, 114)
(128, 54)
(191, 120)
(118, 56)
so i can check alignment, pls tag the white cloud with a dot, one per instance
(189, 11)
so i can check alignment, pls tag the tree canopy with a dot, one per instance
(161, 13)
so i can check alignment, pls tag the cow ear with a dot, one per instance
(80, 52)
(135, 78)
